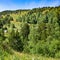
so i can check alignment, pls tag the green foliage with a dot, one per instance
(7, 19)
(15, 41)
(25, 30)
(36, 32)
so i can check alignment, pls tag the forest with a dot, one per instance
(32, 32)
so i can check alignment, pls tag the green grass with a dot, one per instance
(24, 56)
(14, 55)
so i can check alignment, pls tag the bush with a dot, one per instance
(57, 55)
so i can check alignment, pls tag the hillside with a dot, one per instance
(30, 33)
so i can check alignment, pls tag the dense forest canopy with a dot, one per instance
(35, 31)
